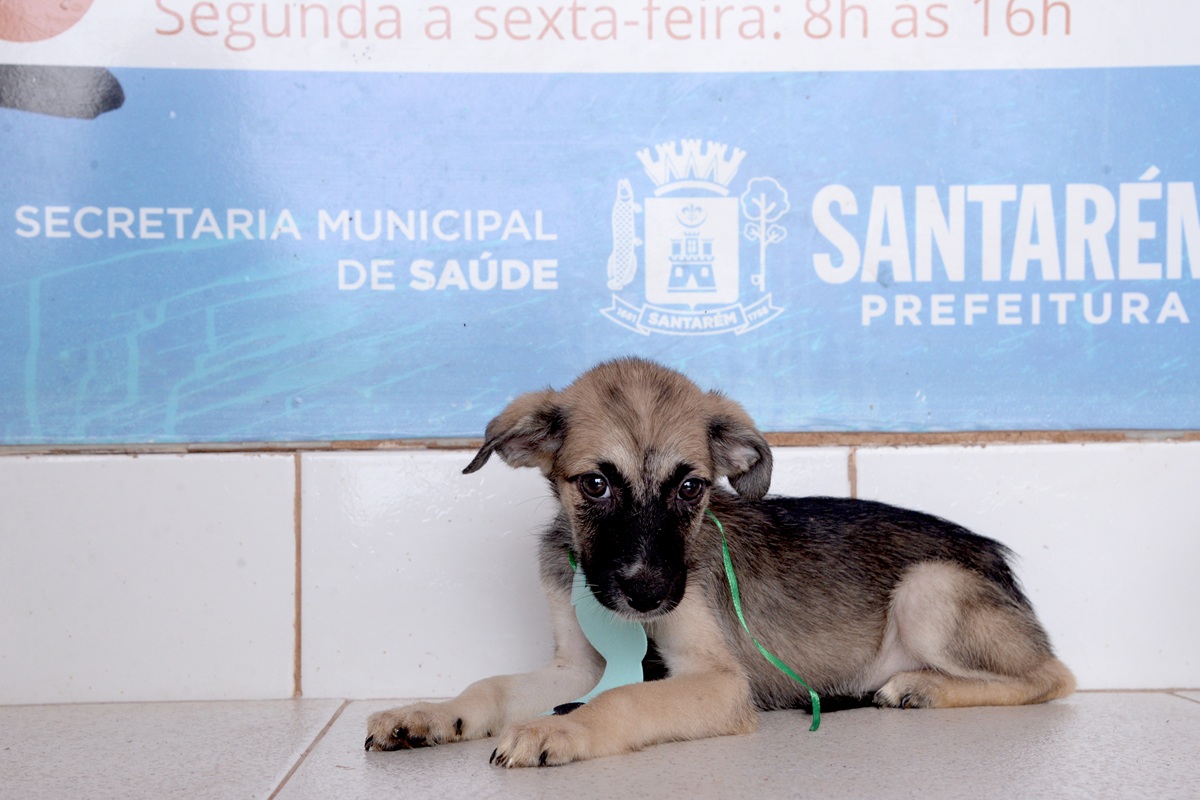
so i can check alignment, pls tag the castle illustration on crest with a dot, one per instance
(691, 255)
(690, 252)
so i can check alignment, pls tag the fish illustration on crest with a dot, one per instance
(622, 262)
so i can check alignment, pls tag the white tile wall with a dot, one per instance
(149, 578)
(172, 577)
(1107, 538)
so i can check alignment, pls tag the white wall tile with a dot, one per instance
(1107, 538)
(811, 471)
(418, 579)
(146, 578)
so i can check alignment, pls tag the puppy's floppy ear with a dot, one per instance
(526, 434)
(739, 451)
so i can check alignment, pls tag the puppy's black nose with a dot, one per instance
(643, 604)
(642, 596)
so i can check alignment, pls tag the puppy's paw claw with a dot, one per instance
(418, 725)
(545, 742)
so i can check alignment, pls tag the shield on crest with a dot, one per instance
(691, 250)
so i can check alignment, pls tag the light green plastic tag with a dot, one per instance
(621, 642)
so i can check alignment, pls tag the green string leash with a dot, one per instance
(767, 654)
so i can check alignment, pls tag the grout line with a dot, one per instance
(1171, 690)
(1176, 693)
(852, 470)
(297, 684)
(308, 750)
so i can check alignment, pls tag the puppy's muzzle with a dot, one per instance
(636, 561)
(643, 589)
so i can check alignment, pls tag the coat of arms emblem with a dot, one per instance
(692, 243)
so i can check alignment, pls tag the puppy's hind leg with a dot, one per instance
(977, 643)
(486, 707)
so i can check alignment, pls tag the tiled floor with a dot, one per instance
(1092, 745)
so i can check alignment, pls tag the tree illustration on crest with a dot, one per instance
(764, 202)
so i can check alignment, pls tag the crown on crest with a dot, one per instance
(691, 163)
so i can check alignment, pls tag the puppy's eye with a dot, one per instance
(691, 489)
(594, 486)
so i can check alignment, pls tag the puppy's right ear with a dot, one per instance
(526, 434)
(739, 451)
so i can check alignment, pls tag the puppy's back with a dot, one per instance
(875, 541)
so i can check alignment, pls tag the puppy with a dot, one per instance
(867, 602)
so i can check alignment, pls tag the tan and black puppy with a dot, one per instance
(867, 602)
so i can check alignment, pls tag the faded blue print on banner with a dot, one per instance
(850, 251)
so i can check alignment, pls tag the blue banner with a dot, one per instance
(293, 256)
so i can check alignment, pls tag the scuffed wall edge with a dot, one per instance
(790, 439)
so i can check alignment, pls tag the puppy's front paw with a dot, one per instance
(547, 741)
(419, 725)
(911, 690)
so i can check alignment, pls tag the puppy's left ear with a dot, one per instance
(525, 434)
(739, 451)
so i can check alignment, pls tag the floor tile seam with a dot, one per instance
(308, 750)
(1167, 690)
(1179, 693)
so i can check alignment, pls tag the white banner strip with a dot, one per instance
(620, 36)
